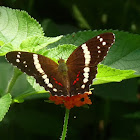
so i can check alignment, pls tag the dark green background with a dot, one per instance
(105, 118)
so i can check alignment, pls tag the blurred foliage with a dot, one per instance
(109, 117)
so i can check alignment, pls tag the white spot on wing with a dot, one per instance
(17, 60)
(101, 39)
(83, 46)
(54, 89)
(50, 85)
(41, 71)
(103, 43)
(18, 56)
(86, 75)
(38, 66)
(44, 76)
(86, 54)
(86, 69)
(85, 80)
(83, 86)
(46, 81)
(87, 62)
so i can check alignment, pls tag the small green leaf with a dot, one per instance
(5, 102)
(107, 74)
(35, 85)
(35, 43)
(61, 51)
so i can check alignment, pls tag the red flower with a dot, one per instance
(70, 102)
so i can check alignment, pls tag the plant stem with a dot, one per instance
(65, 124)
(11, 83)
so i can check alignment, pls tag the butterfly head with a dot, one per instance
(60, 61)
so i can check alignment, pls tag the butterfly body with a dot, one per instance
(70, 78)
(62, 67)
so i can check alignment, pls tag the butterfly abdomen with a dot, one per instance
(62, 67)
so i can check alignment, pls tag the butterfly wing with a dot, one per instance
(82, 63)
(43, 69)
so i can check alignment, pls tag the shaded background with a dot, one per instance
(111, 116)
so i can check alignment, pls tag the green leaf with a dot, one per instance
(26, 91)
(21, 92)
(35, 43)
(31, 44)
(35, 85)
(125, 54)
(21, 32)
(16, 26)
(78, 38)
(61, 51)
(5, 102)
(107, 74)
(5, 74)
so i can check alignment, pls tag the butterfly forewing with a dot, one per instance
(84, 60)
(43, 69)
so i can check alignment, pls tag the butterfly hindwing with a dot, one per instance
(78, 82)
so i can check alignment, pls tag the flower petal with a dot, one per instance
(70, 102)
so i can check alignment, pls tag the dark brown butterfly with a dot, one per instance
(70, 78)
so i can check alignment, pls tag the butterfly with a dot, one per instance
(68, 78)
